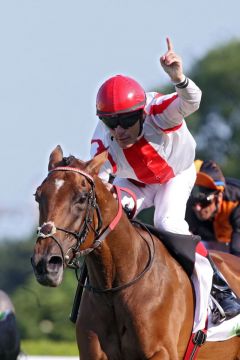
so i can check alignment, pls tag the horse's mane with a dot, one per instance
(68, 160)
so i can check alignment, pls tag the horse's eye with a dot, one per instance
(81, 199)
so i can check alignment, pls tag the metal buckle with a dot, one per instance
(199, 338)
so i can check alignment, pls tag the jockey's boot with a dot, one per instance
(227, 305)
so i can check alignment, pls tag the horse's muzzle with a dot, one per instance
(48, 270)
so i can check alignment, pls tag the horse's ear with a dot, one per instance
(94, 165)
(55, 158)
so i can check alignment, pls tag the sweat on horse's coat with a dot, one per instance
(152, 318)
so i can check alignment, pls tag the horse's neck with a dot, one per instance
(122, 250)
(118, 259)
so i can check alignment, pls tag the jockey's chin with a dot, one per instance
(125, 143)
(204, 214)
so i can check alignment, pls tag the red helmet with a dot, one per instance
(118, 95)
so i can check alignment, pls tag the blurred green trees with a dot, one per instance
(15, 265)
(41, 312)
(216, 125)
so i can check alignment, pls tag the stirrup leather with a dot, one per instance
(218, 314)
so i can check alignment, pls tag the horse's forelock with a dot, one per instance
(69, 161)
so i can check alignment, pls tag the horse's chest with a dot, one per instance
(127, 332)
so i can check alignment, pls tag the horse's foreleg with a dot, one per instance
(90, 348)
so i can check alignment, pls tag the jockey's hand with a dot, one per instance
(172, 63)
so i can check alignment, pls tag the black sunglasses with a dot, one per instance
(204, 200)
(125, 121)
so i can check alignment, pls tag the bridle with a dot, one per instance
(49, 229)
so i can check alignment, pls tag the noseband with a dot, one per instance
(49, 229)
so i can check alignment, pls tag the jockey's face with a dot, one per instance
(126, 137)
(204, 211)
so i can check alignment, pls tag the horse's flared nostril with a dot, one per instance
(48, 270)
(55, 263)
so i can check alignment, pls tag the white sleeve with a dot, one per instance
(169, 110)
(100, 143)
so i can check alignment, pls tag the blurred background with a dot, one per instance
(54, 56)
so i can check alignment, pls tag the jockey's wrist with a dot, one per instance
(178, 79)
(182, 84)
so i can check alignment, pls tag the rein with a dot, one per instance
(138, 277)
(49, 229)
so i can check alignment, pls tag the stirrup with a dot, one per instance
(218, 314)
(222, 288)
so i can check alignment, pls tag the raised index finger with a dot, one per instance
(169, 44)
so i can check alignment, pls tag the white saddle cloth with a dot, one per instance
(202, 281)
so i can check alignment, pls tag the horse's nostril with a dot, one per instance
(40, 267)
(55, 262)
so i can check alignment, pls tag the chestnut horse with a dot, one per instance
(138, 303)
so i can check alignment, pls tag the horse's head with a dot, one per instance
(69, 215)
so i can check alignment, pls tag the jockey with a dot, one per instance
(213, 209)
(150, 149)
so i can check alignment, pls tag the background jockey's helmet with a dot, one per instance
(120, 95)
(209, 175)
